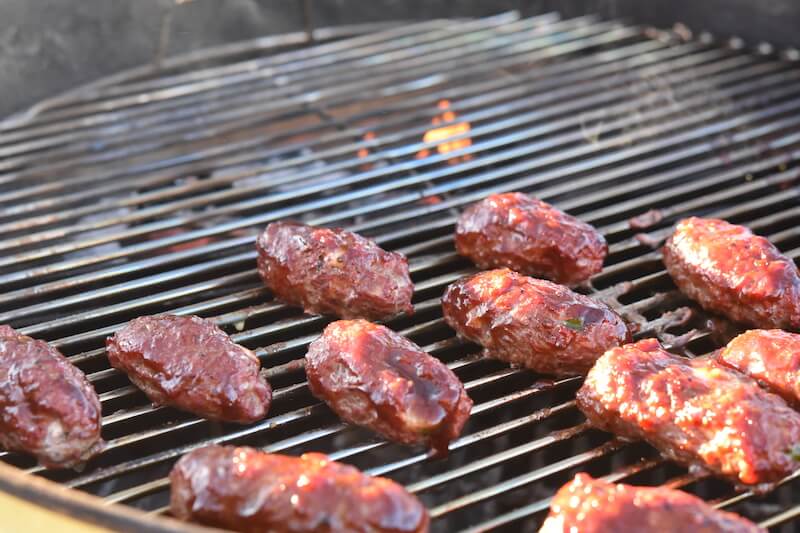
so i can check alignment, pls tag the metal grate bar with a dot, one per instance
(203, 233)
(729, 175)
(525, 479)
(226, 121)
(416, 107)
(499, 458)
(288, 109)
(745, 188)
(523, 86)
(370, 57)
(465, 440)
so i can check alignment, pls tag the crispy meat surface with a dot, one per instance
(189, 363)
(531, 322)
(373, 377)
(595, 506)
(529, 236)
(247, 490)
(770, 356)
(49, 408)
(694, 411)
(731, 271)
(333, 272)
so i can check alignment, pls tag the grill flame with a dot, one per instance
(442, 133)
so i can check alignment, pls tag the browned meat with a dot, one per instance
(189, 363)
(334, 272)
(251, 491)
(594, 506)
(694, 411)
(771, 356)
(49, 409)
(373, 377)
(531, 237)
(730, 271)
(531, 322)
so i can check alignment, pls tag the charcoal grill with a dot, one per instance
(143, 193)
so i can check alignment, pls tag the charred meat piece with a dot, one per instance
(531, 322)
(189, 363)
(694, 411)
(247, 490)
(770, 356)
(594, 506)
(373, 377)
(731, 271)
(333, 272)
(49, 408)
(531, 237)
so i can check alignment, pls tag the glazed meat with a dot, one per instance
(595, 506)
(694, 411)
(531, 322)
(771, 356)
(531, 237)
(189, 363)
(373, 377)
(246, 490)
(730, 271)
(49, 409)
(333, 272)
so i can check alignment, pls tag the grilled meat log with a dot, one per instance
(595, 506)
(373, 377)
(251, 491)
(531, 322)
(189, 363)
(695, 411)
(731, 271)
(49, 408)
(334, 272)
(770, 356)
(531, 237)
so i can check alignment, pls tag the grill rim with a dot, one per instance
(87, 507)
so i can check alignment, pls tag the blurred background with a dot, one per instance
(49, 46)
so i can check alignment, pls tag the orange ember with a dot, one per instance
(364, 152)
(431, 200)
(442, 133)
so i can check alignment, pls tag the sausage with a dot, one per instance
(247, 490)
(333, 272)
(595, 506)
(694, 411)
(531, 237)
(373, 377)
(189, 363)
(772, 357)
(532, 322)
(729, 270)
(49, 408)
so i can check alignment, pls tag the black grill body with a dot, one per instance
(144, 193)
